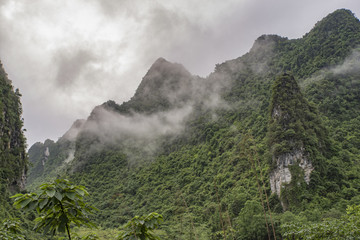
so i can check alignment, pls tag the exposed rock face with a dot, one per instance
(46, 156)
(282, 175)
(290, 119)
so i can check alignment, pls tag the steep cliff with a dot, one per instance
(295, 130)
(13, 157)
(166, 85)
(13, 160)
(193, 151)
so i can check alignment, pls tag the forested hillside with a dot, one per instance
(278, 127)
(13, 158)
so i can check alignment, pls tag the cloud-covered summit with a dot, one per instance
(165, 84)
(67, 57)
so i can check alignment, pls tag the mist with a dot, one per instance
(165, 101)
(113, 127)
(66, 58)
(351, 64)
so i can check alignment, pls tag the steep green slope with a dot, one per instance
(298, 144)
(13, 158)
(196, 156)
(327, 44)
(155, 94)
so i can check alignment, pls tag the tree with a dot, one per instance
(250, 222)
(347, 227)
(59, 204)
(11, 230)
(140, 227)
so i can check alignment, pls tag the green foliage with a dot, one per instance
(294, 123)
(91, 236)
(250, 223)
(53, 158)
(201, 180)
(97, 233)
(59, 204)
(11, 230)
(327, 44)
(13, 158)
(347, 227)
(141, 227)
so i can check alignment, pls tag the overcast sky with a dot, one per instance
(67, 56)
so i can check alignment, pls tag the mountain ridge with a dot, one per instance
(207, 156)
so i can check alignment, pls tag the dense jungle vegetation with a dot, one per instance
(13, 161)
(210, 179)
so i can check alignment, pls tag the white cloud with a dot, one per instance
(68, 56)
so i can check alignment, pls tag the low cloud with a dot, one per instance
(350, 65)
(67, 57)
(141, 132)
(165, 82)
(138, 135)
(112, 127)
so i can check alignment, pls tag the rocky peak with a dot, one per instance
(164, 86)
(165, 68)
(338, 21)
(265, 42)
(162, 75)
(289, 114)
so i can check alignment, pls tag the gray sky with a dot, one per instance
(67, 56)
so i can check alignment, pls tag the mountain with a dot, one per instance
(13, 157)
(278, 126)
(165, 85)
(48, 159)
(297, 141)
